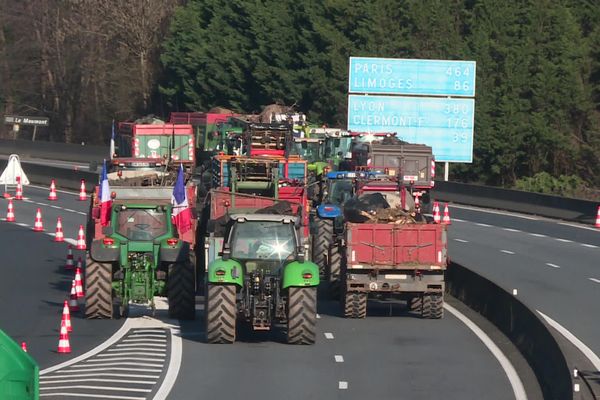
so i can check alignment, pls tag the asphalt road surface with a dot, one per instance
(554, 265)
(390, 355)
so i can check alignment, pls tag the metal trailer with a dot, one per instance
(394, 261)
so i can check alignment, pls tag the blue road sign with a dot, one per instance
(412, 77)
(444, 124)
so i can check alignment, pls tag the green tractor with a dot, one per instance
(262, 277)
(140, 256)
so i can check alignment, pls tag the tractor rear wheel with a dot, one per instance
(355, 305)
(321, 241)
(220, 311)
(98, 290)
(415, 303)
(302, 315)
(433, 306)
(180, 291)
(334, 270)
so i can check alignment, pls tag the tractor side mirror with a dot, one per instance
(301, 255)
(107, 230)
(226, 253)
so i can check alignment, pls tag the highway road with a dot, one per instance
(554, 265)
(386, 356)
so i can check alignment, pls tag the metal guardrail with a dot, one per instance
(54, 151)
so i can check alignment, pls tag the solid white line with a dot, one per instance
(144, 340)
(462, 240)
(538, 235)
(48, 381)
(95, 396)
(109, 342)
(79, 375)
(507, 251)
(571, 338)
(173, 368)
(328, 335)
(98, 388)
(509, 370)
(564, 240)
(161, 331)
(146, 335)
(591, 246)
(107, 363)
(128, 352)
(494, 212)
(484, 225)
(147, 344)
(511, 230)
(594, 280)
(578, 226)
(22, 224)
(116, 357)
(553, 265)
(342, 385)
(58, 190)
(85, 369)
(339, 359)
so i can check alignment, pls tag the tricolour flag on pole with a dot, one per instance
(182, 214)
(112, 141)
(105, 200)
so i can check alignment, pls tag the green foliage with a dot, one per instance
(543, 182)
(538, 68)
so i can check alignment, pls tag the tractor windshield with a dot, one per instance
(142, 224)
(312, 151)
(340, 190)
(267, 240)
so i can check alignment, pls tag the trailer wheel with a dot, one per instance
(98, 290)
(180, 291)
(302, 315)
(355, 305)
(433, 306)
(321, 241)
(220, 313)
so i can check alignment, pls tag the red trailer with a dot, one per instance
(400, 261)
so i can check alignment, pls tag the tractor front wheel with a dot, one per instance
(98, 290)
(302, 315)
(220, 311)
(180, 291)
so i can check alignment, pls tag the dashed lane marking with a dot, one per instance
(564, 240)
(511, 230)
(339, 358)
(484, 225)
(458, 220)
(462, 240)
(553, 265)
(540, 235)
(328, 335)
(591, 246)
(594, 280)
(342, 385)
(509, 369)
(507, 252)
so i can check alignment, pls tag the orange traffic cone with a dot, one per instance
(10, 213)
(69, 265)
(38, 225)
(73, 304)
(78, 282)
(80, 239)
(63, 340)
(436, 213)
(598, 218)
(52, 195)
(66, 316)
(19, 194)
(59, 236)
(82, 193)
(446, 218)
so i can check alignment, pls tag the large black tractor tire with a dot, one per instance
(433, 306)
(181, 283)
(355, 305)
(98, 290)
(334, 270)
(321, 242)
(415, 304)
(220, 311)
(302, 315)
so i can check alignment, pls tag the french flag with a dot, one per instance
(182, 214)
(105, 200)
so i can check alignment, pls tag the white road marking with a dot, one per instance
(147, 345)
(507, 251)
(97, 388)
(152, 331)
(328, 335)
(172, 369)
(143, 340)
(495, 212)
(509, 370)
(155, 356)
(58, 190)
(105, 363)
(553, 265)
(86, 369)
(511, 230)
(22, 224)
(591, 246)
(564, 240)
(95, 396)
(342, 385)
(589, 228)
(462, 240)
(145, 335)
(318, 316)
(594, 280)
(458, 220)
(482, 224)
(117, 357)
(79, 375)
(48, 381)
(339, 359)
(538, 235)
(571, 338)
